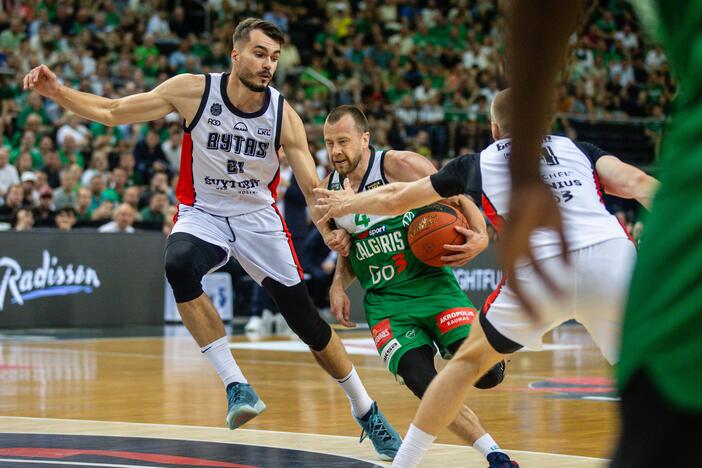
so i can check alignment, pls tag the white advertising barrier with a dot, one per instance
(218, 286)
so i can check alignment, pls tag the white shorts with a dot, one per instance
(594, 288)
(259, 241)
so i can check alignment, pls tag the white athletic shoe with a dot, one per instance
(254, 325)
(259, 325)
(268, 322)
(281, 326)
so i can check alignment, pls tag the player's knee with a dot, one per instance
(492, 378)
(181, 272)
(295, 304)
(416, 371)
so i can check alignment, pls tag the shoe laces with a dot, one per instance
(375, 428)
(235, 395)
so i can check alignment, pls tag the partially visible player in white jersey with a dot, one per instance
(593, 279)
(234, 123)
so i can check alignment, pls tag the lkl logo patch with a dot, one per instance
(454, 318)
(381, 333)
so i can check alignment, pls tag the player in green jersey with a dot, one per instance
(660, 369)
(411, 307)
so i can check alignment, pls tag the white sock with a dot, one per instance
(222, 360)
(486, 444)
(414, 446)
(361, 402)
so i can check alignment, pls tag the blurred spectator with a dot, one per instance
(159, 183)
(8, 173)
(83, 209)
(27, 144)
(318, 263)
(131, 197)
(158, 25)
(44, 212)
(156, 209)
(98, 167)
(14, 200)
(295, 211)
(65, 194)
(52, 168)
(103, 211)
(123, 219)
(118, 183)
(171, 148)
(128, 163)
(74, 129)
(69, 152)
(66, 218)
(24, 220)
(149, 155)
(29, 185)
(179, 24)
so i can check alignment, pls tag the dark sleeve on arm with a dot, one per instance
(461, 176)
(591, 151)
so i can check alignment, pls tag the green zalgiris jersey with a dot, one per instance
(383, 262)
(663, 323)
(380, 255)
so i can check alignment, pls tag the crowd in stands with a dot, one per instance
(425, 73)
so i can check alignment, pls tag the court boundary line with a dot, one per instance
(182, 426)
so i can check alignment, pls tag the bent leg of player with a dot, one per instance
(503, 328)
(188, 258)
(416, 367)
(444, 398)
(264, 249)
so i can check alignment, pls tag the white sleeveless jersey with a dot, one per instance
(374, 177)
(573, 180)
(229, 162)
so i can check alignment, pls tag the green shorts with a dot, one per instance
(399, 326)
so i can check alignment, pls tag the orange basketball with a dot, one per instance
(432, 228)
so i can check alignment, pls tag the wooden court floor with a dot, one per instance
(555, 408)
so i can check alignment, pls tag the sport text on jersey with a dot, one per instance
(386, 243)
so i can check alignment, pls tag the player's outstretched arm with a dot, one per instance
(294, 140)
(143, 107)
(626, 181)
(391, 199)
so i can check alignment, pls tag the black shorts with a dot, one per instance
(655, 434)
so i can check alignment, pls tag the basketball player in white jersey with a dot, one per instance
(234, 123)
(594, 282)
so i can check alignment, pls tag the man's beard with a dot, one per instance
(249, 83)
(352, 165)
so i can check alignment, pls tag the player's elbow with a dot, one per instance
(638, 185)
(109, 114)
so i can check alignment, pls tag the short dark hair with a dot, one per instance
(244, 28)
(359, 118)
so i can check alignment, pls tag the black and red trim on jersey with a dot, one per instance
(185, 191)
(201, 107)
(279, 121)
(290, 242)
